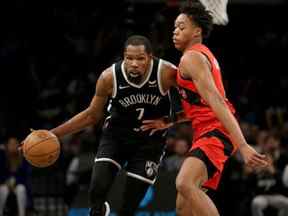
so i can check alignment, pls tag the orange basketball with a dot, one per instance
(41, 148)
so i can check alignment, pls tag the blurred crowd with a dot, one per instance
(51, 70)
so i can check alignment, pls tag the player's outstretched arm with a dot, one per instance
(196, 67)
(94, 113)
(163, 123)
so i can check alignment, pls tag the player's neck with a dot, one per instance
(138, 80)
(192, 43)
(144, 76)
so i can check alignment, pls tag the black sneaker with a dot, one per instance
(105, 212)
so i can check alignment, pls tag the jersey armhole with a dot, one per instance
(114, 81)
(159, 78)
(171, 111)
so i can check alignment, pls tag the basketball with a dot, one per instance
(41, 148)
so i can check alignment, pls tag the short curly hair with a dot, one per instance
(137, 40)
(200, 16)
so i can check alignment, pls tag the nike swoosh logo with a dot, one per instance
(123, 87)
(152, 82)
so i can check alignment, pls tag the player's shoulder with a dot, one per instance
(107, 75)
(168, 69)
(168, 74)
(104, 86)
(192, 57)
(166, 65)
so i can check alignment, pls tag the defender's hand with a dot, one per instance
(20, 146)
(155, 125)
(252, 158)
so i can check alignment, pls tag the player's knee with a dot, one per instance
(184, 185)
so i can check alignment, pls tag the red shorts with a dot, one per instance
(213, 148)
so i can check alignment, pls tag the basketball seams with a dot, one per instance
(36, 144)
(42, 155)
(47, 163)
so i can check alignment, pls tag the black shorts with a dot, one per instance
(140, 154)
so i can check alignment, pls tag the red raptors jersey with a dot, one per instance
(196, 109)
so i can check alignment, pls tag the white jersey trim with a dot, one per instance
(141, 178)
(159, 78)
(107, 210)
(108, 160)
(141, 84)
(114, 81)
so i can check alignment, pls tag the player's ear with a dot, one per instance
(198, 31)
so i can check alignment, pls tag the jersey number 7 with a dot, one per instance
(141, 113)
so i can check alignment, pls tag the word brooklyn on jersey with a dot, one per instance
(140, 99)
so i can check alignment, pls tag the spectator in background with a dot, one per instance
(174, 162)
(14, 172)
(270, 183)
(178, 140)
(248, 131)
(261, 139)
(284, 136)
(72, 174)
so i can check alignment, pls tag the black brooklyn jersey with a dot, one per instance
(132, 103)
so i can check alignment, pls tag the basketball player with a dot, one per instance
(137, 88)
(217, 134)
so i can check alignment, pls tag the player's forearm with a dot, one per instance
(223, 113)
(75, 124)
(179, 118)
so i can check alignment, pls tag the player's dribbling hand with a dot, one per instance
(252, 158)
(155, 125)
(20, 146)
